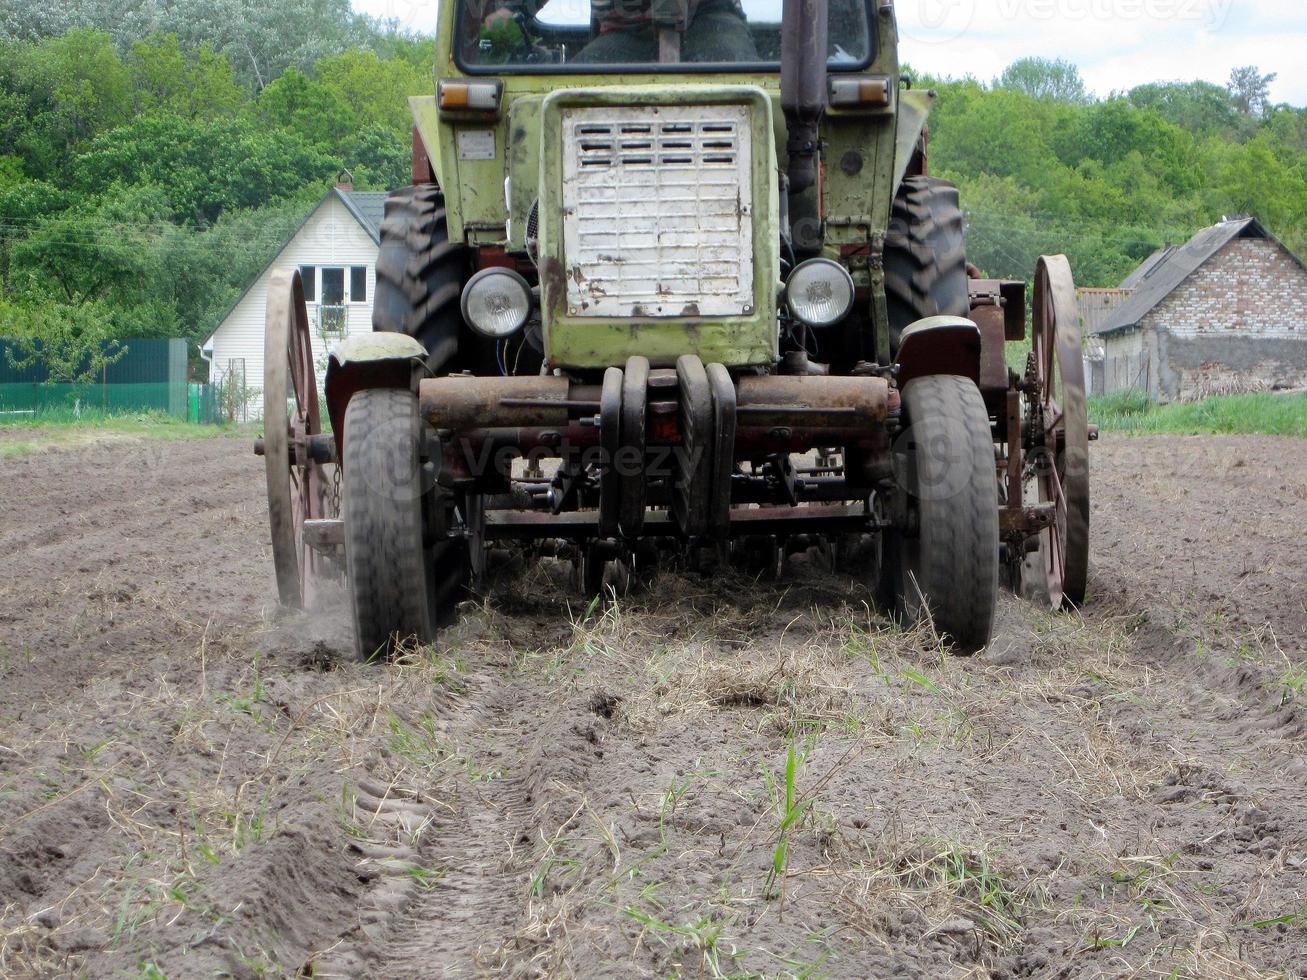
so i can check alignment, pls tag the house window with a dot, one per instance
(308, 274)
(358, 284)
(333, 315)
(333, 287)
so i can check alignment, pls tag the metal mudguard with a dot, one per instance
(914, 109)
(373, 360)
(940, 345)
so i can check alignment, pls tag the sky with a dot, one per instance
(1117, 44)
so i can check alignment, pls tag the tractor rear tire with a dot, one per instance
(947, 571)
(389, 589)
(420, 274)
(925, 256)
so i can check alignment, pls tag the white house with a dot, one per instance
(335, 250)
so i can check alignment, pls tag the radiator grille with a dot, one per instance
(658, 211)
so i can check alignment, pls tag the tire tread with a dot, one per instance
(925, 255)
(959, 542)
(383, 522)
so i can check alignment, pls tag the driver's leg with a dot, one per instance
(719, 32)
(621, 46)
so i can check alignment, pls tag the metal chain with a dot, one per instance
(335, 491)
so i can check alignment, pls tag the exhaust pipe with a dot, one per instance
(804, 52)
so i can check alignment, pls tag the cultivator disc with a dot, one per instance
(293, 446)
(1059, 458)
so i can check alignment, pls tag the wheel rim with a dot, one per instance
(1061, 435)
(296, 484)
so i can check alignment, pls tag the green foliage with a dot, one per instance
(377, 159)
(72, 344)
(376, 90)
(195, 85)
(1250, 90)
(58, 92)
(1043, 78)
(1196, 106)
(1256, 414)
(92, 251)
(207, 168)
(1108, 182)
(315, 112)
(260, 39)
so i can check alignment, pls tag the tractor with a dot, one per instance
(672, 278)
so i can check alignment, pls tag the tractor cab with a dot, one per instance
(566, 36)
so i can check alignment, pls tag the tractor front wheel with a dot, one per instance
(384, 552)
(943, 567)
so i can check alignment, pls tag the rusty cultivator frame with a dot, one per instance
(694, 455)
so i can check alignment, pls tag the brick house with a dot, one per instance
(1224, 313)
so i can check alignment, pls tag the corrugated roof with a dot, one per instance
(368, 207)
(1132, 281)
(1165, 270)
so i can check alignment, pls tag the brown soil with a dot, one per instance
(191, 784)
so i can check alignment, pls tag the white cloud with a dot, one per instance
(413, 15)
(1117, 43)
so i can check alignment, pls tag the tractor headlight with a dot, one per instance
(819, 292)
(496, 302)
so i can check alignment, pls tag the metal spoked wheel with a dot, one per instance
(1060, 429)
(297, 484)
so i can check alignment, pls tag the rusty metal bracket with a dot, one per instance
(724, 409)
(1023, 522)
(635, 401)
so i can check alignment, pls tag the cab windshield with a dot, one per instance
(604, 35)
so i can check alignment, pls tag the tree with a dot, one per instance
(82, 81)
(197, 85)
(261, 38)
(70, 344)
(1114, 132)
(997, 134)
(317, 112)
(378, 158)
(376, 89)
(1251, 90)
(205, 168)
(23, 203)
(100, 249)
(1195, 106)
(1043, 78)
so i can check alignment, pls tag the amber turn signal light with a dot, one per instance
(860, 91)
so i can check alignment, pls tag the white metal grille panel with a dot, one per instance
(658, 211)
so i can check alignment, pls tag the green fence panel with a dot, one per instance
(148, 376)
(168, 398)
(209, 406)
(140, 361)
